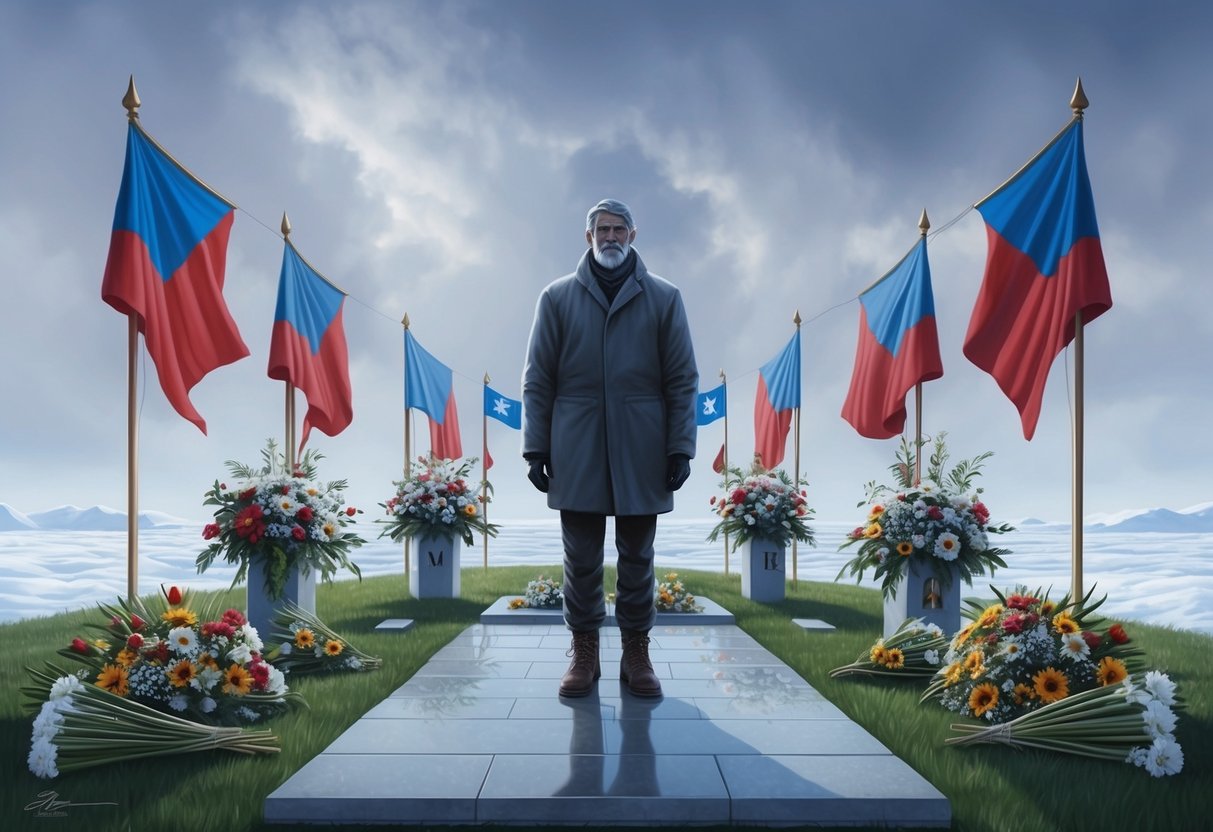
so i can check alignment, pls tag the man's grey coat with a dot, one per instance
(609, 391)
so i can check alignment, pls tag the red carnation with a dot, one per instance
(298, 533)
(174, 595)
(218, 628)
(981, 513)
(1092, 639)
(738, 496)
(137, 623)
(1013, 623)
(304, 514)
(1117, 634)
(247, 494)
(235, 618)
(248, 523)
(210, 530)
(857, 532)
(134, 641)
(935, 513)
(79, 645)
(158, 653)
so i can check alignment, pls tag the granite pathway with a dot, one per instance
(479, 736)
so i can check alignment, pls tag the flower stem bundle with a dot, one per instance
(1121, 722)
(81, 725)
(305, 644)
(915, 649)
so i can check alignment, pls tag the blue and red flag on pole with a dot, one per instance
(898, 346)
(428, 386)
(1044, 266)
(308, 348)
(778, 394)
(167, 256)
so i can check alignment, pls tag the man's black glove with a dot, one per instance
(540, 474)
(678, 468)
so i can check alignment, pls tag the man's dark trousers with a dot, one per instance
(584, 602)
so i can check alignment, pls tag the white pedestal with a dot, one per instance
(763, 574)
(921, 595)
(300, 589)
(434, 567)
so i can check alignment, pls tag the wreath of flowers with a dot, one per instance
(541, 594)
(672, 596)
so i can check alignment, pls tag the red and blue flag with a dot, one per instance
(428, 386)
(778, 394)
(167, 257)
(308, 348)
(898, 346)
(1044, 266)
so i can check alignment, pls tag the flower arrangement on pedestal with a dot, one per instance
(761, 506)
(672, 596)
(194, 662)
(437, 498)
(916, 649)
(302, 643)
(280, 521)
(1053, 676)
(541, 594)
(940, 519)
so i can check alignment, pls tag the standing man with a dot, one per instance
(609, 429)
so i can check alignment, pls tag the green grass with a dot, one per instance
(989, 788)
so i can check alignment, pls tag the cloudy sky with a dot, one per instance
(438, 159)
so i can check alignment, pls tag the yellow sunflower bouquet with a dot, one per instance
(1025, 652)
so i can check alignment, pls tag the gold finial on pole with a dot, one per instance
(1078, 101)
(131, 100)
(924, 224)
(286, 225)
(796, 319)
(405, 320)
(486, 378)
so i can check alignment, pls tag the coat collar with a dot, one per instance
(631, 287)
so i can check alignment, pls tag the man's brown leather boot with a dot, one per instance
(585, 669)
(635, 670)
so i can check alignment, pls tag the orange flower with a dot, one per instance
(1111, 671)
(305, 639)
(894, 659)
(905, 548)
(877, 654)
(180, 674)
(179, 617)
(114, 678)
(1064, 624)
(237, 681)
(333, 647)
(1051, 685)
(983, 698)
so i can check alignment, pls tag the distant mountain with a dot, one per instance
(12, 520)
(1192, 520)
(98, 519)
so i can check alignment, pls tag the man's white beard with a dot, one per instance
(609, 256)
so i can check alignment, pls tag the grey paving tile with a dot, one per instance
(401, 624)
(599, 790)
(475, 668)
(501, 654)
(463, 736)
(831, 790)
(510, 639)
(427, 686)
(616, 707)
(795, 703)
(814, 624)
(441, 707)
(610, 669)
(742, 736)
(361, 788)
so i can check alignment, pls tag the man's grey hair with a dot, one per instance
(609, 206)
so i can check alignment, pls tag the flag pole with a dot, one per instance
(796, 444)
(484, 472)
(724, 382)
(289, 451)
(407, 453)
(1078, 103)
(131, 102)
(924, 225)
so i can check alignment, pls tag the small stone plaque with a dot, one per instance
(400, 624)
(812, 624)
